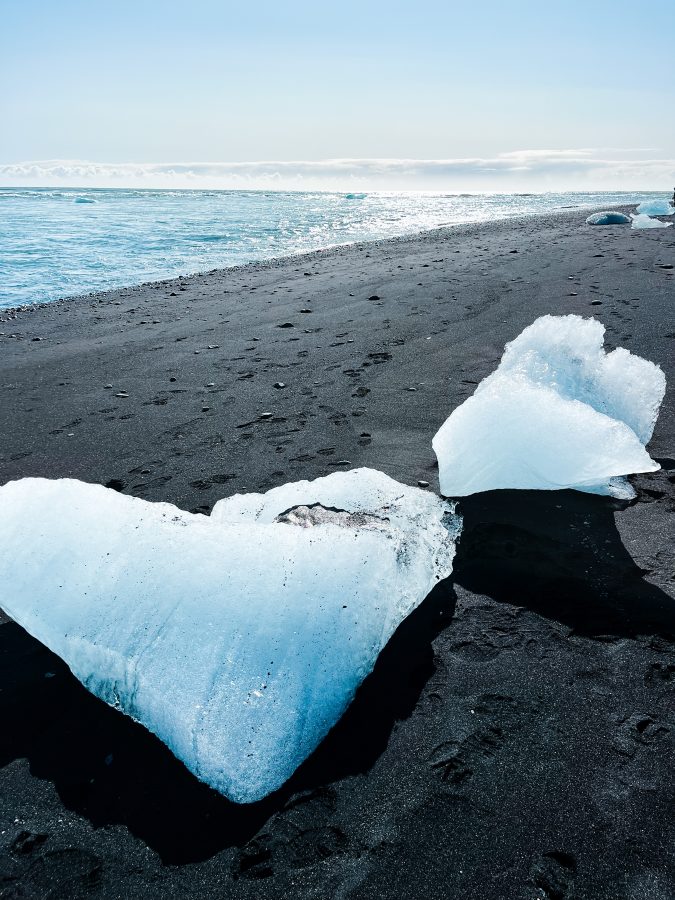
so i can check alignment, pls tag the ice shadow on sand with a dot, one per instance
(559, 554)
(112, 771)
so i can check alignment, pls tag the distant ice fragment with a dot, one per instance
(238, 639)
(643, 221)
(656, 208)
(608, 218)
(558, 412)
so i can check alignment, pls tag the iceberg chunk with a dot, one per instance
(656, 208)
(642, 221)
(238, 639)
(607, 218)
(558, 412)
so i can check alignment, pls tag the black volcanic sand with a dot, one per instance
(517, 737)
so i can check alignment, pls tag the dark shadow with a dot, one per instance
(113, 771)
(559, 553)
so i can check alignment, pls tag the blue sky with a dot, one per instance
(206, 82)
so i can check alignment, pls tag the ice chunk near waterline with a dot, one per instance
(607, 218)
(558, 412)
(238, 639)
(656, 208)
(642, 221)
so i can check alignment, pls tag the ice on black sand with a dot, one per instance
(239, 639)
(608, 218)
(558, 412)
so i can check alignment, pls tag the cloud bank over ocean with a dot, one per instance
(535, 170)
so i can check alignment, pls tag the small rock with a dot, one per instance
(423, 484)
(279, 384)
(172, 378)
(374, 297)
(211, 384)
(596, 302)
(107, 386)
(37, 339)
(266, 415)
(121, 394)
(286, 325)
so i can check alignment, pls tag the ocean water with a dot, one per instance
(65, 242)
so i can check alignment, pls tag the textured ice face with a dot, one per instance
(238, 639)
(643, 221)
(607, 218)
(558, 412)
(656, 208)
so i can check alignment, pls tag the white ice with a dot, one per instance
(607, 218)
(642, 221)
(558, 412)
(239, 639)
(656, 208)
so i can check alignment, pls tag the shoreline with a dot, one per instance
(517, 732)
(255, 265)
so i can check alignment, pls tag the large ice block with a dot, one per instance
(656, 208)
(558, 412)
(238, 639)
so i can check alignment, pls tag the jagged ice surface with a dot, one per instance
(558, 412)
(238, 639)
(656, 208)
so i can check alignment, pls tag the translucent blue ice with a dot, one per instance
(608, 218)
(238, 639)
(656, 208)
(558, 412)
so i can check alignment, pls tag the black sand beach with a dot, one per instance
(517, 737)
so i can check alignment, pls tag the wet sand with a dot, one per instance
(516, 738)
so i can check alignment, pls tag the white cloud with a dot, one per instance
(534, 170)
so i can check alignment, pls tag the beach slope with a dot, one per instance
(516, 737)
